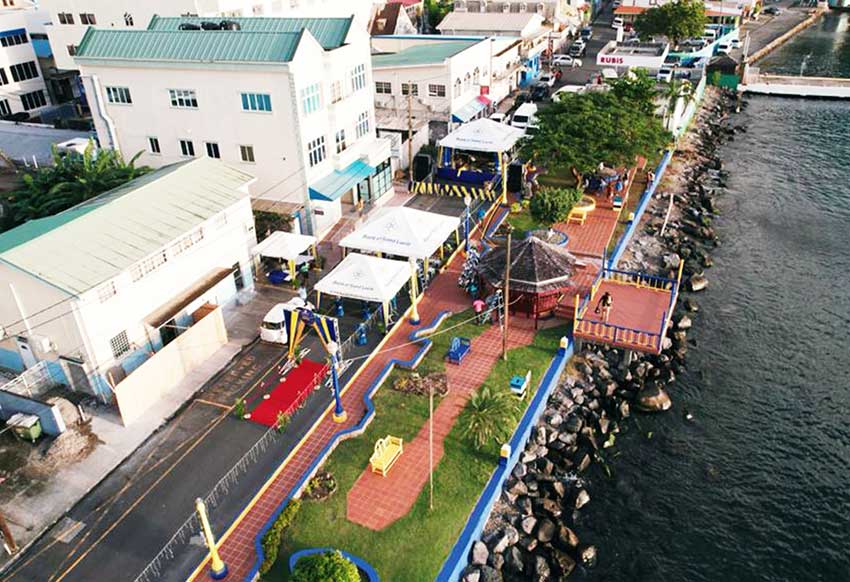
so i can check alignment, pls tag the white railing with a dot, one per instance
(33, 382)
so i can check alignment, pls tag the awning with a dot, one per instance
(166, 312)
(471, 109)
(338, 182)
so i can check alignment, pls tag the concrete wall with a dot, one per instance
(50, 417)
(163, 372)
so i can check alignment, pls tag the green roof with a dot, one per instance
(82, 247)
(189, 45)
(422, 54)
(330, 32)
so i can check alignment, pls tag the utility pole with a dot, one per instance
(431, 444)
(410, 129)
(506, 294)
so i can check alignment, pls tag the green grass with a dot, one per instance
(413, 548)
(523, 221)
(562, 179)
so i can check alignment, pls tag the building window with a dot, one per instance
(257, 10)
(128, 19)
(476, 77)
(256, 102)
(24, 71)
(66, 18)
(311, 98)
(358, 77)
(120, 345)
(4, 108)
(14, 37)
(72, 49)
(246, 152)
(106, 292)
(382, 179)
(187, 148)
(33, 100)
(457, 88)
(316, 150)
(362, 124)
(153, 145)
(412, 89)
(183, 98)
(340, 141)
(187, 242)
(148, 265)
(383, 87)
(212, 150)
(118, 95)
(87, 18)
(336, 92)
(4, 80)
(436, 90)
(467, 82)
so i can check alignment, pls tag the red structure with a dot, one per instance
(292, 390)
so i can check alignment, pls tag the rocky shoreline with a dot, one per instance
(530, 534)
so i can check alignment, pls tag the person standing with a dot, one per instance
(605, 304)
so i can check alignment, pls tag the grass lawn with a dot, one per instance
(413, 548)
(523, 221)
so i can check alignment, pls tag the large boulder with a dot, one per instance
(567, 537)
(527, 524)
(508, 537)
(479, 553)
(698, 283)
(489, 574)
(588, 556)
(582, 499)
(513, 560)
(542, 570)
(653, 398)
(563, 562)
(546, 530)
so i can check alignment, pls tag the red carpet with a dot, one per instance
(290, 393)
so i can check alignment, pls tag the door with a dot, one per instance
(237, 277)
(168, 332)
(363, 191)
(27, 356)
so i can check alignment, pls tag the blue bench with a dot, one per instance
(458, 350)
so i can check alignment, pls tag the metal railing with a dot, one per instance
(32, 382)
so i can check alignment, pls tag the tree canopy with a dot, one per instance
(676, 20)
(71, 180)
(637, 87)
(323, 567)
(583, 130)
(436, 11)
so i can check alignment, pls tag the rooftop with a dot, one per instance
(489, 21)
(25, 141)
(430, 53)
(84, 246)
(642, 49)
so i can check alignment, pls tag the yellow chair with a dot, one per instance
(387, 452)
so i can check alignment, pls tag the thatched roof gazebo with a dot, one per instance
(541, 275)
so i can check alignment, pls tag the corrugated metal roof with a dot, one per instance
(330, 32)
(422, 54)
(189, 45)
(81, 248)
(488, 21)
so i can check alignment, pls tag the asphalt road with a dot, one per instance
(767, 28)
(602, 34)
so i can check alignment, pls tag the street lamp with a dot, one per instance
(218, 569)
(339, 413)
(467, 200)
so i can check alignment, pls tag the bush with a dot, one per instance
(486, 416)
(272, 538)
(552, 205)
(325, 567)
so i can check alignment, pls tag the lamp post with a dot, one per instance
(467, 200)
(414, 312)
(339, 412)
(218, 569)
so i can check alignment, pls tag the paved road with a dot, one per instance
(767, 28)
(602, 34)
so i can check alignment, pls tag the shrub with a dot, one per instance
(239, 408)
(486, 416)
(325, 567)
(272, 538)
(552, 205)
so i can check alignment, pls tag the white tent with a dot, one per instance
(284, 245)
(366, 278)
(483, 135)
(403, 231)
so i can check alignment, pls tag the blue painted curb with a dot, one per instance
(362, 564)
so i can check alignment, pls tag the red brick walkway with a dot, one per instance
(375, 501)
(237, 544)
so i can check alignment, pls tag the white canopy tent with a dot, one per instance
(286, 246)
(404, 232)
(483, 135)
(366, 278)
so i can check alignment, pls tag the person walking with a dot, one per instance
(605, 304)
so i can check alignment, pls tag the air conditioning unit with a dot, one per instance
(42, 344)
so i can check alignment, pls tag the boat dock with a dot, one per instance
(794, 86)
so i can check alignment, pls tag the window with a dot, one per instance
(24, 71)
(382, 179)
(340, 141)
(33, 100)
(212, 150)
(336, 92)
(362, 127)
(257, 10)
(384, 87)
(153, 145)
(87, 18)
(148, 265)
(66, 18)
(128, 19)
(120, 344)
(4, 108)
(311, 98)
(256, 102)
(106, 292)
(246, 152)
(316, 150)
(467, 82)
(183, 98)
(412, 89)
(118, 95)
(476, 77)
(457, 88)
(3, 78)
(72, 49)
(187, 242)
(14, 37)
(358, 77)
(436, 90)
(187, 148)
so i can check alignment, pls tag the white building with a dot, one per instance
(98, 288)
(567, 12)
(288, 100)
(22, 86)
(71, 18)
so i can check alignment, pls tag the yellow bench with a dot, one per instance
(581, 209)
(387, 452)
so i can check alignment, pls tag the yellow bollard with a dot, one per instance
(218, 569)
(414, 312)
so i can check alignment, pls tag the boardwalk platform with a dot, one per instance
(796, 86)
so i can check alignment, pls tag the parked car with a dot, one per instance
(578, 49)
(547, 79)
(728, 45)
(617, 22)
(665, 75)
(565, 61)
(524, 115)
(556, 96)
(586, 33)
(499, 117)
(540, 92)
(616, 4)
(772, 10)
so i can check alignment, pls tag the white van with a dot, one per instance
(524, 116)
(709, 34)
(273, 328)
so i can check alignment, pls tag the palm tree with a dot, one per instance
(487, 416)
(71, 180)
(671, 97)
